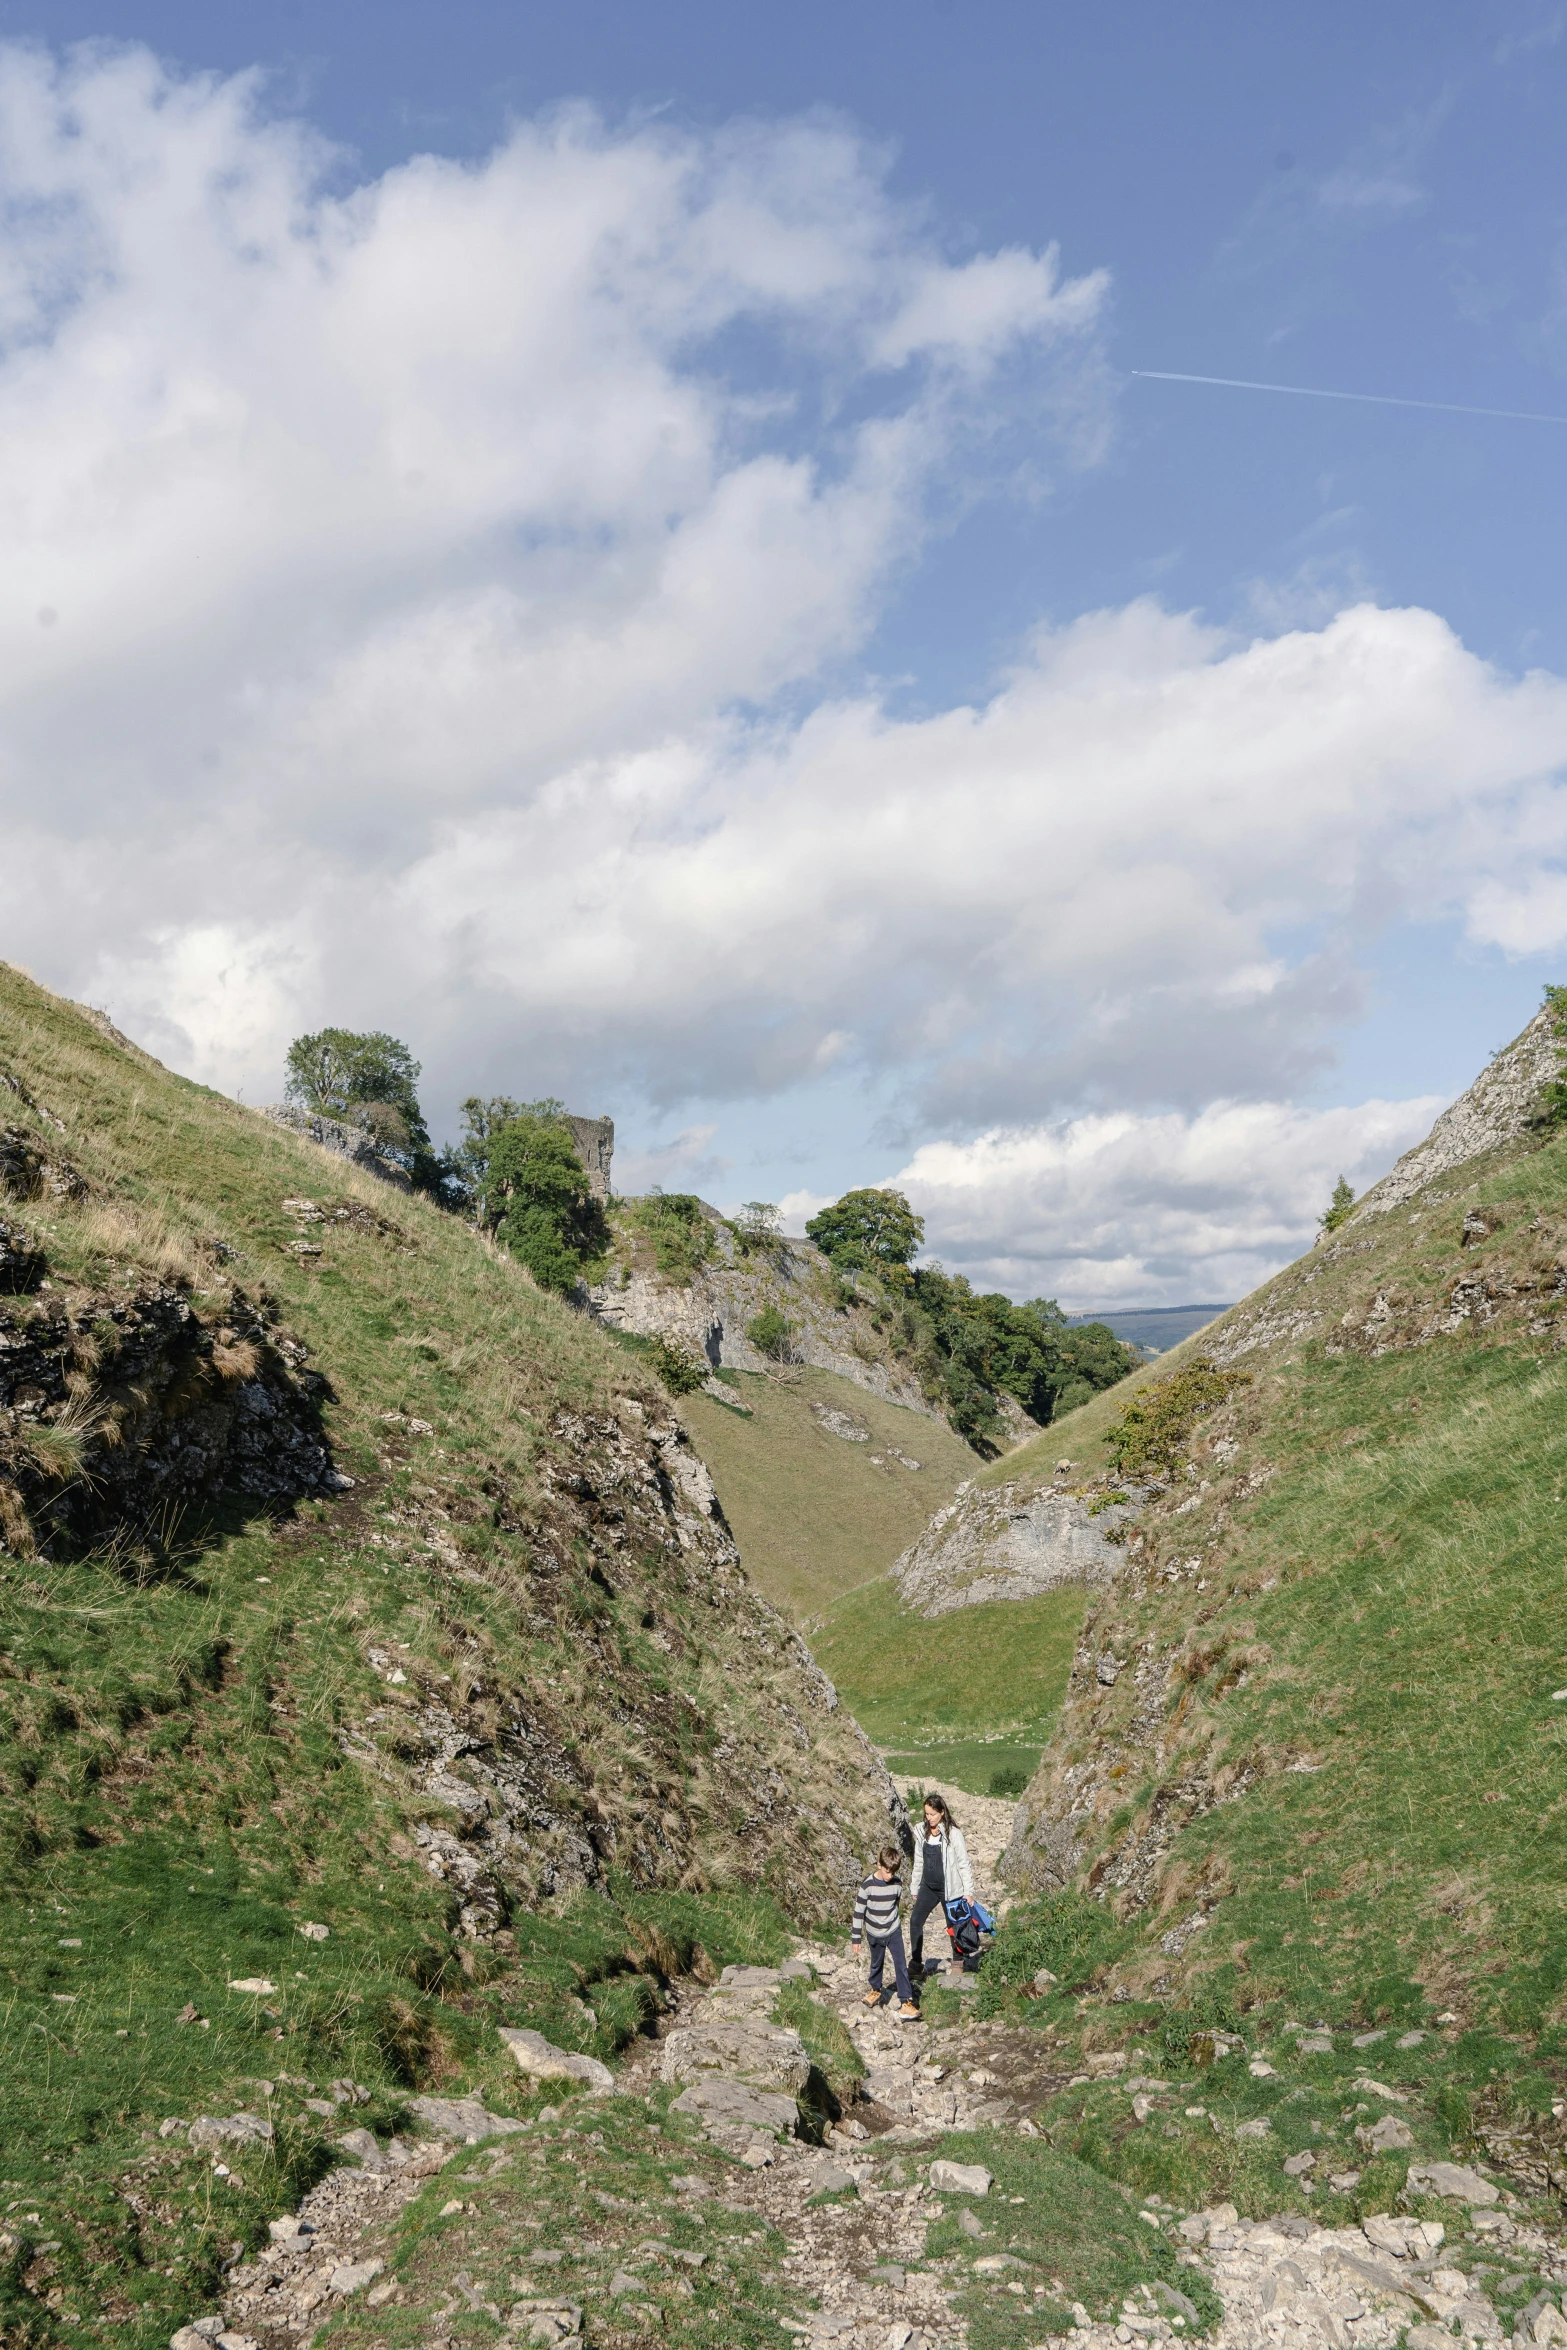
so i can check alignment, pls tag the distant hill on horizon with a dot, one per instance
(1154, 1328)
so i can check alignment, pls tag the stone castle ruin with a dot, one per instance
(595, 1141)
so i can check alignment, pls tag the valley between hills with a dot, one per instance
(436, 1764)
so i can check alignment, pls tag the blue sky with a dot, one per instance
(726, 881)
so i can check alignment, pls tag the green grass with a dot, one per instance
(1365, 1653)
(1071, 2228)
(1415, 1638)
(543, 2192)
(813, 1513)
(197, 1756)
(1452, 2087)
(998, 1670)
(970, 1766)
(828, 2041)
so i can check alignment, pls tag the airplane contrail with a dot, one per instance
(1231, 383)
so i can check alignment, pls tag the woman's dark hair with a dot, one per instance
(935, 1802)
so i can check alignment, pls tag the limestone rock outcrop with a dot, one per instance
(344, 1142)
(711, 1313)
(1010, 1542)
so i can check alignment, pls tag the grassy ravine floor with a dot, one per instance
(979, 1673)
(817, 1514)
(969, 1766)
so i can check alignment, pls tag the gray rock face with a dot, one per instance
(1006, 1542)
(745, 2074)
(716, 2100)
(206, 1410)
(711, 1314)
(764, 2054)
(344, 1142)
(1495, 1110)
(21, 1264)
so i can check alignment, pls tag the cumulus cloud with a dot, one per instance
(417, 606)
(1074, 895)
(338, 526)
(1121, 1210)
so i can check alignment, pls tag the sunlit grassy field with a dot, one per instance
(997, 1671)
(813, 1513)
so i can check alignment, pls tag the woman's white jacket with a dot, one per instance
(958, 1877)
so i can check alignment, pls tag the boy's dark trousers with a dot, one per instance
(892, 1948)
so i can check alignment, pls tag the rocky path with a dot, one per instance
(854, 2203)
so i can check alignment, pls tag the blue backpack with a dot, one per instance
(966, 1921)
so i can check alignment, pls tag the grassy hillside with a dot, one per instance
(346, 1582)
(1315, 1746)
(816, 1513)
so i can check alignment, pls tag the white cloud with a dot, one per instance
(351, 538)
(796, 1209)
(687, 1162)
(1127, 1210)
(1072, 895)
(414, 606)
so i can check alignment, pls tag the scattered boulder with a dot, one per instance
(1391, 2135)
(543, 2061)
(828, 2179)
(1453, 2179)
(541, 2323)
(1172, 2299)
(464, 2118)
(960, 2178)
(211, 2132)
(350, 2275)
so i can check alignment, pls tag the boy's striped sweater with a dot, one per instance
(876, 1907)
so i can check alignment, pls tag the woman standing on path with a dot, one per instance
(941, 1874)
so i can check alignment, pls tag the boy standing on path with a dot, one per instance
(876, 1909)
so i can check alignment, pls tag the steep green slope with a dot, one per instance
(1315, 1745)
(824, 1484)
(347, 1581)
